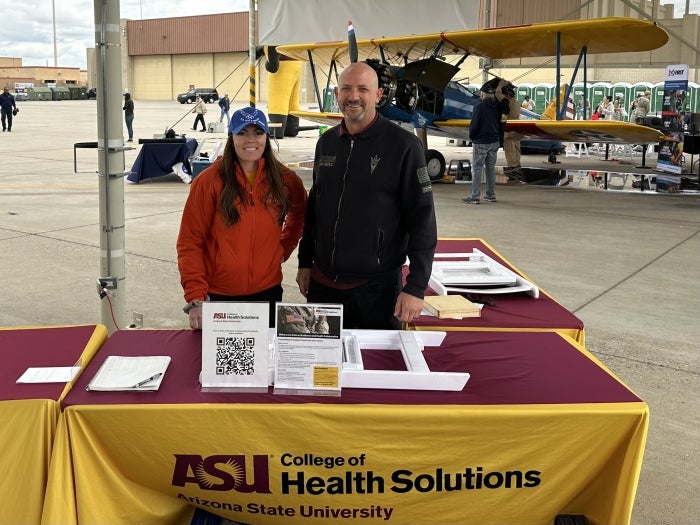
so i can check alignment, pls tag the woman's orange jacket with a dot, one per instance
(244, 258)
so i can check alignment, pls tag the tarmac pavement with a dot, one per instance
(627, 263)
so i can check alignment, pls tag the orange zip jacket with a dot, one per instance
(244, 258)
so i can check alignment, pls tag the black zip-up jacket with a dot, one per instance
(370, 206)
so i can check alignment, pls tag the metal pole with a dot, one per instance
(251, 50)
(111, 164)
(55, 51)
(487, 62)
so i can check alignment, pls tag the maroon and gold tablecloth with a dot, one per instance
(29, 412)
(515, 312)
(541, 428)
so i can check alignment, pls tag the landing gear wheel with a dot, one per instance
(436, 164)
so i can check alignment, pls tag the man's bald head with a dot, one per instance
(360, 70)
(357, 95)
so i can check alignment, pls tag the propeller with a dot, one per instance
(352, 42)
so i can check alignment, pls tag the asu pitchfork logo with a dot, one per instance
(222, 472)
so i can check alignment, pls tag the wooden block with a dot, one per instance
(451, 307)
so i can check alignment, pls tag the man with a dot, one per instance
(225, 105)
(484, 131)
(643, 107)
(7, 106)
(129, 115)
(370, 207)
(511, 143)
(618, 107)
(528, 104)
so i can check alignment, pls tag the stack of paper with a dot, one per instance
(136, 373)
(451, 307)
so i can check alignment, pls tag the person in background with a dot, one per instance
(619, 108)
(370, 207)
(484, 134)
(580, 113)
(528, 103)
(200, 109)
(511, 142)
(242, 219)
(129, 115)
(225, 105)
(607, 108)
(633, 107)
(643, 108)
(8, 108)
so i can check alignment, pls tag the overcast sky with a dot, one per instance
(27, 25)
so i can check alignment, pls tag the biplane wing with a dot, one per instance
(602, 35)
(614, 132)
(415, 75)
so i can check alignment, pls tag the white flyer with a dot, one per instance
(235, 351)
(308, 349)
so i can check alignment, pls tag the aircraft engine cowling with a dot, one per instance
(387, 81)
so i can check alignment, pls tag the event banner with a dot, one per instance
(670, 157)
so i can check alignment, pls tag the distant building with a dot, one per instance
(12, 72)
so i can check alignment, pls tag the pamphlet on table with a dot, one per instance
(308, 349)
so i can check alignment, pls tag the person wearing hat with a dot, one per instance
(484, 133)
(242, 219)
(643, 108)
(511, 142)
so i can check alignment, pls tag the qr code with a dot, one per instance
(235, 356)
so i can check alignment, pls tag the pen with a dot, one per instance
(152, 378)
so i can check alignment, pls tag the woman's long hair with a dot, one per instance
(232, 194)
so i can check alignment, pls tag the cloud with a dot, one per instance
(28, 26)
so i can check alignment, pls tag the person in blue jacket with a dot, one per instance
(7, 107)
(225, 105)
(484, 133)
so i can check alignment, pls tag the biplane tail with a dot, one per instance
(550, 112)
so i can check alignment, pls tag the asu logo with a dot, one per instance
(222, 472)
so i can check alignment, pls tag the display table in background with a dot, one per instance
(518, 311)
(29, 412)
(158, 158)
(541, 429)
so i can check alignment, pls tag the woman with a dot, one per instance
(607, 108)
(243, 218)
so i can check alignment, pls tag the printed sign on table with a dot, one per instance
(308, 349)
(235, 346)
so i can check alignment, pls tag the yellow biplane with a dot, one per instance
(417, 74)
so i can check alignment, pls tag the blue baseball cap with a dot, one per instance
(246, 116)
